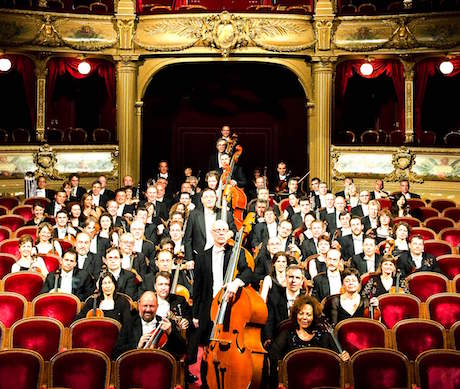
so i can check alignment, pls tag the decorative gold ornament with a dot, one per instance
(402, 37)
(336, 175)
(403, 161)
(47, 34)
(45, 160)
(115, 153)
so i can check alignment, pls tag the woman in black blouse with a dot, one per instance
(306, 331)
(383, 279)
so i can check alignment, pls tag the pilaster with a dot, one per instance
(409, 100)
(41, 73)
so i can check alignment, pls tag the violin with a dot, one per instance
(282, 185)
(231, 144)
(95, 311)
(158, 337)
(397, 288)
(57, 273)
(372, 312)
(176, 288)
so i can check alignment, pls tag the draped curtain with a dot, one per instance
(424, 70)
(104, 69)
(391, 68)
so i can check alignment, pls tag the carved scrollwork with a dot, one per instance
(45, 161)
(114, 154)
(336, 175)
(403, 161)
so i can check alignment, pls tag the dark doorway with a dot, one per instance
(185, 106)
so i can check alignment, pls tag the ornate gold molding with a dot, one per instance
(403, 161)
(115, 162)
(125, 32)
(336, 175)
(45, 160)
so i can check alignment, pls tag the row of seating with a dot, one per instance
(376, 368)
(100, 7)
(87, 368)
(77, 135)
(18, 135)
(371, 7)
(395, 137)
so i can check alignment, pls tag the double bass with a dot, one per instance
(235, 354)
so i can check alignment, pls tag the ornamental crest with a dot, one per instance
(45, 160)
(403, 161)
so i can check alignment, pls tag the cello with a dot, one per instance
(235, 354)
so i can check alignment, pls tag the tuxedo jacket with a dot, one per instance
(49, 210)
(237, 175)
(347, 248)
(259, 234)
(331, 220)
(92, 264)
(263, 265)
(127, 284)
(358, 211)
(412, 195)
(102, 244)
(407, 265)
(366, 223)
(297, 220)
(359, 263)
(82, 283)
(108, 195)
(148, 250)
(78, 195)
(195, 232)
(202, 287)
(308, 248)
(321, 287)
(213, 161)
(171, 188)
(372, 194)
(56, 236)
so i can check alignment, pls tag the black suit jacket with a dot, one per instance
(259, 234)
(331, 220)
(80, 192)
(102, 244)
(407, 265)
(195, 232)
(50, 208)
(213, 161)
(108, 195)
(412, 195)
(359, 263)
(263, 265)
(321, 287)
(358, 211)
(347, 247)
(372, 194)
(296, 220)
(202, 287)
(127, 284)
(82, 283)
(93, 265)
(308, 248)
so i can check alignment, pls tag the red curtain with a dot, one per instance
(424, 70)
(105, 69)
(26, 68)
(392, 68)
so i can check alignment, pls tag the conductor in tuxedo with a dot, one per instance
(69, 278)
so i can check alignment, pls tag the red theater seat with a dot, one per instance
(95, 333)
(426, 213)
(453, 213)
(51, 261)
(27, 230)
(13, 222)
(10, 246)
(436, 369)
(385, 203)
(312, 367)
(26, 283)
(438, 223)
(23, 210)
(5, 233)
(80, 368)
(451, 235)
(414, 336)
(380, 368)
(9, 202)
(3, 338)
(20, 369)
(41, 334)
(437, 247)
(425, 284)
(283, 204)
(42, 200)
(12, 308)
(397, 307)
(442, 204)
(65, 245)
(444, 308)
(449, 265)
(416, 203)
(3, 210)
(60, 306)
(6, 262)
(454, 336)
(456, 282)
(412, 221)
(359, 334)
(426, 233)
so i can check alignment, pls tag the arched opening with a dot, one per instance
(185, 105)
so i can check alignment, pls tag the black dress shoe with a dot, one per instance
(190, 378)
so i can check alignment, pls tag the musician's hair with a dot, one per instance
(214, 173)
(24, 239)
(62, 211)
(300, 302)
(325, 237)
(163, 274)
(294, 266)
(350, 272)
(37, 204)
(404, 224)
(71, 251)
(304, 198)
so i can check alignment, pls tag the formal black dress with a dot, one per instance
(338, 313)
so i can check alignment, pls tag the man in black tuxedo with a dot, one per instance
(147, 321)
(280, 301)
(416, 259)
(76, 191)
(141, 245)
(333, 219)
(378, 191)
(117, 221)
(161, 210)
(106, 193)
(353, 244)
(198, 235)
(70, 279)
(99, 200)
(404, 188)
(163, 172)
(264, 260)
(57, 204)
(131, 259)
(86, 260)
(330, 208)
(362, 209)
(123, 208)
(238, 176)
(265, 228)
(368, 261)
(298, 218)
(347, 181)
(310, 246)
(371, 220)
(125, 278)
(329, 282)
(62, 230)
(281, 178)
(42, 191)
(214, 160)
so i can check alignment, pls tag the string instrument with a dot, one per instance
(372, 312)
(328, 327)
(231, 144)
(158, 337)
(265, 177)
(397, 289)
(294, 253)
(34, 264)
(235, 354)
(282, 185)
(300, 182)
(95, 311)
(176, 288)
(57, 273)
(248, 223)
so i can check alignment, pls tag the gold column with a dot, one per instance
(41, 72)
(320, 119)
(409, 100)
(128, 132)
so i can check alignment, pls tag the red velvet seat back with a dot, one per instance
(444, 308)
(457, 283)
(42, 335)
(424, 213)
(312, 367)
(426, 233)
(96, 334)
(360, 334)
(455, 336)
(65, 245)
(449, 265)
(453, 213)
(20, 369)
(13, 222)
(51, 262)
(414, 336)
(136, 368)
(80, 369)
(438, 223)
(451, 236)
(9, 202)
(438, 369)
(32, 200)
(437, 247)
(27, 284)
(426, 284)
(412, 221)
(3, 210)
(25, 211)
(27, 230)
(6, 262)
(62, 307)
(385, 203)
(396, 307)
(12, 308)
(10, 246)
(380, 369)
(5, 233)
(441, 204)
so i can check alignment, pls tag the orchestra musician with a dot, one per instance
(27, 261)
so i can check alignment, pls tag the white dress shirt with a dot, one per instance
(335, 282)
(218, 254)
(66, 282)
(370, 262)
(272, 230)
(41, 193)
(209, 219)
(358, 243)
(418, 261)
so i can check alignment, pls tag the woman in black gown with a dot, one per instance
(383, 279)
